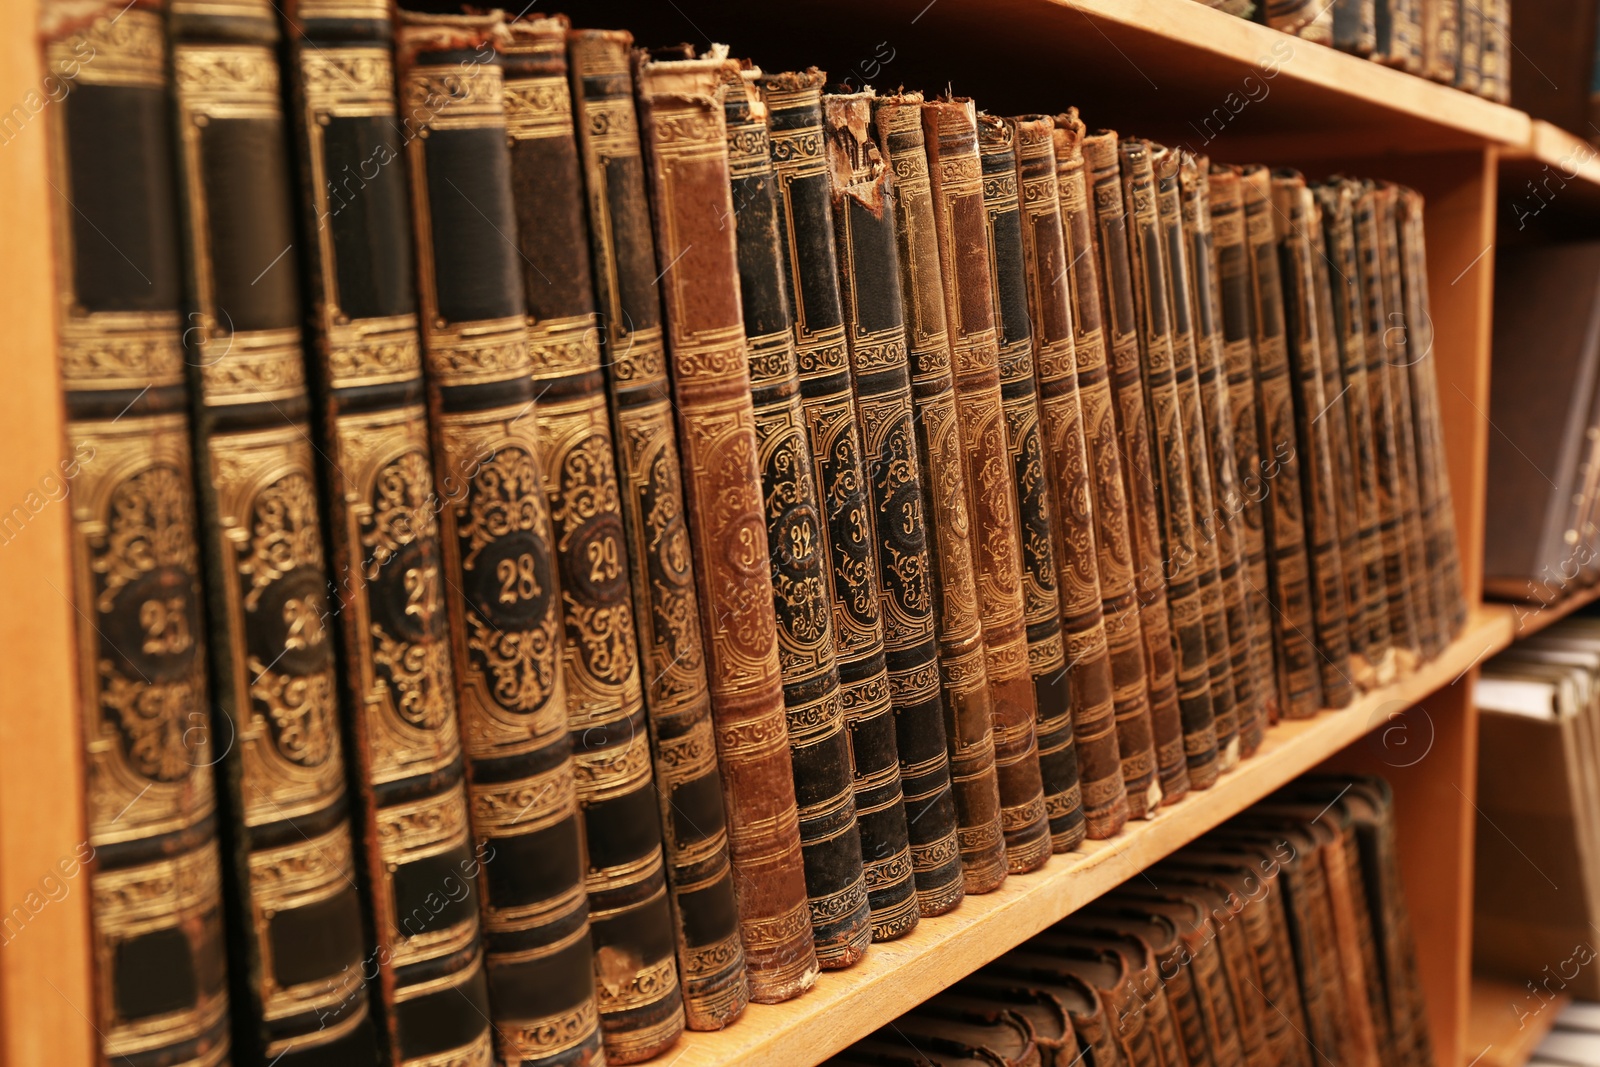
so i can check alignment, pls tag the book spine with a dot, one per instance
(155, 884)
(1494, 56)
(298, 990)
(1469, 70)
(1441, 40)
(805, 225)
(818, 744)
(1399, 32)
(1179, 558)
(1293, 219)
(641, 1006)
(963, 678)
(1355, 27)
(951, 134)
(1197, 450)
(384, 534)
(1283, 509)
(999, 155)
(686, 138)
(875, 320)
(499, 556)
(1114, 745)
(711, 966)
(1249, 669)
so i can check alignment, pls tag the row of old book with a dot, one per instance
(663, 528)
(1281, 937)
(1464, 43)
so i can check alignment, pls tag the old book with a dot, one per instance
(296, 926)
(999, 154)
(1145, 1001)
(1399, 30)
(1197, 451)
(384, 533)
(1236, 306)
(686, 138)
(1494, 58)
(1279, 470)
(156, 910)
(641, 1007)
(963, 678)
(1249, 669)
(951, 135)
(1441, 40)
(875, 328)
(1177, 559)
(958, 1031)
(711, 968)
(1299, 241)
(827, 398)
(1158, 933)
(1047, 1014)
(1146, 773)
(1119, 748)
(818, 743)
(1355, 26)
(1094, 1025)
(1469, 76)
(1369, 614)
(499, 555)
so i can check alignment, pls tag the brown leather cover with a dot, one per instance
(1294, 219)
(1001, 153)
(1468, 66)
(1441, 40)
(1159, 933)
(1114, 744)
(1046, 1014)
(1147, 999)
(951, 136)
(685, 133)
(1112, 240)
(963, 677)
(950, 1019)
(1399, 26)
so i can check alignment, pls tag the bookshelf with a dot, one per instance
(1151, 66)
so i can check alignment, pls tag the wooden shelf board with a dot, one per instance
(897, 975)
(1499, 1035)
(1526, 620)
(1552, 178)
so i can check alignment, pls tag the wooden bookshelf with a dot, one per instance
(1499, 1035)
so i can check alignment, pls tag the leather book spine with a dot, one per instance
(951, 134)
(1177, 557)
(1355, 26)
(1236, 312)
(805, 226)
(1112, 739)
(1392, 502)
(666, 612)
(499, 556)
(999, 153)
(875, 328)
(1220, 522)
(298, 933)
(686, 138)
(818, 744)
(1146, 781)
(1337, 202)
(1494, 58)
(1399, 33)
(1441, 40)
(1469, 68)
(640, 1004)
(963, 677)
(155, 884)
(1283, 508)
(1197, 450)
(384, 534)
(1292, 214)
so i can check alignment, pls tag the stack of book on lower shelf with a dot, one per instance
(580, 539)
(1281, 937)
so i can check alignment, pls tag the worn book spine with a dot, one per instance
(1399, 34)
(1283, 508)
(998, 154)
(1113, 742)
(1337, 202)
(1236, 310)
(1469, 69)
(963, 678)
(1197, 450)
(384, 533)
(499, 572)
(1441, 40)
(711, 969)
(805, 224)
(1222, 522)
(686, 138)
(641, 1006)
(818, 743)
(1494, 56)
(1292, 217)
(1355, 26)
(1177, 558)
(155, 908)
(875, 327)
(297, 933)
(950, 131)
